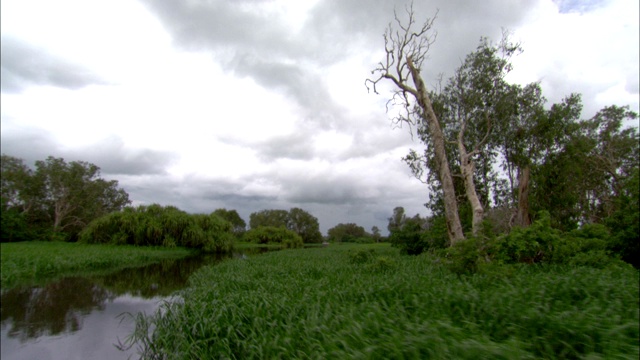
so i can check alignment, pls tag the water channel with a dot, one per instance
(81, 317)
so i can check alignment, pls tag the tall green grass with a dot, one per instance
(340, 302)
(26, 263)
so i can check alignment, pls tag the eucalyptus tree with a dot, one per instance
(469, 106)
(74, 193)
(61, 196)
(406, 48)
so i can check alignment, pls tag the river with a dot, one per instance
(87, 317)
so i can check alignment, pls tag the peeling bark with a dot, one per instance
(467, 168)
(454, 227)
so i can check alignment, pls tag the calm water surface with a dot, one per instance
(81, 317)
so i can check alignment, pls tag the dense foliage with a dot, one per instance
(349, 232)
(343, 303)
(232, 216)
(274, 235)
(155, 225)
(55, 201)
(297, 220)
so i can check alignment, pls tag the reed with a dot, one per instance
(28, 263)
(351, 302)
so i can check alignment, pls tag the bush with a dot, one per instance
(270, 235)
(409, 238)
(463, 257)
(532, 244)
(155, 225)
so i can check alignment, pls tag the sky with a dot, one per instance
(257, 104)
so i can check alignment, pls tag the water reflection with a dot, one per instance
(52, 309)
(62, 307)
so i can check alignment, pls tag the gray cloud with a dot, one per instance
(24, 65)
(110, 155)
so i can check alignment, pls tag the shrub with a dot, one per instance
(409, 238)
(155, 225)
(462, 258)
(529, 245)
(271, 234)
(361, 256)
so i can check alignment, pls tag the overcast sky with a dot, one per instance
(253, 105)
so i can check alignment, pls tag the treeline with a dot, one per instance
(69, 201)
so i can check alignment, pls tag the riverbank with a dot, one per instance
(367, 301)
(32, 263)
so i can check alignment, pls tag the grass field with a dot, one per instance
(369, 302)
(29, 263)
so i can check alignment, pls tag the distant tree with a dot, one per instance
(75, 194)
(346, 233)
(375, 233)
(409, 237)
(305, 225)
(274, 218)
(297, 220)
(15, 179)
(397, 219)
(232, 216)
(62, 196)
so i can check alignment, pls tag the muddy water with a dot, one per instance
(86, 317)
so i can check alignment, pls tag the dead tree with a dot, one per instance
(406, 48)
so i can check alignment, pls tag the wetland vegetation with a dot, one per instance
(30, 263)
(370, 302)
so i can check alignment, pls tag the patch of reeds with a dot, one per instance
(28, 263)
(340, 302)
(155, 225)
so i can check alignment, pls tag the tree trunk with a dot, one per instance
(467, 168)
(454, 227)
(522, 218)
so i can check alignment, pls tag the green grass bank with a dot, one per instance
(369, 302)
(29, 263)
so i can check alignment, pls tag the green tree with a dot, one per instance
(74, 193)
(375, 233)
(397, 220)
(305, 225)
(297, 220)
(232, 216)
(274, 218)
(349, 232)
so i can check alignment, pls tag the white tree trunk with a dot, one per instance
(467, 169)
(454, 227)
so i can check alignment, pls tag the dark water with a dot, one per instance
(81, 317)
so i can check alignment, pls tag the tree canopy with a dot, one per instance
(59, 198)
(297, 220)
